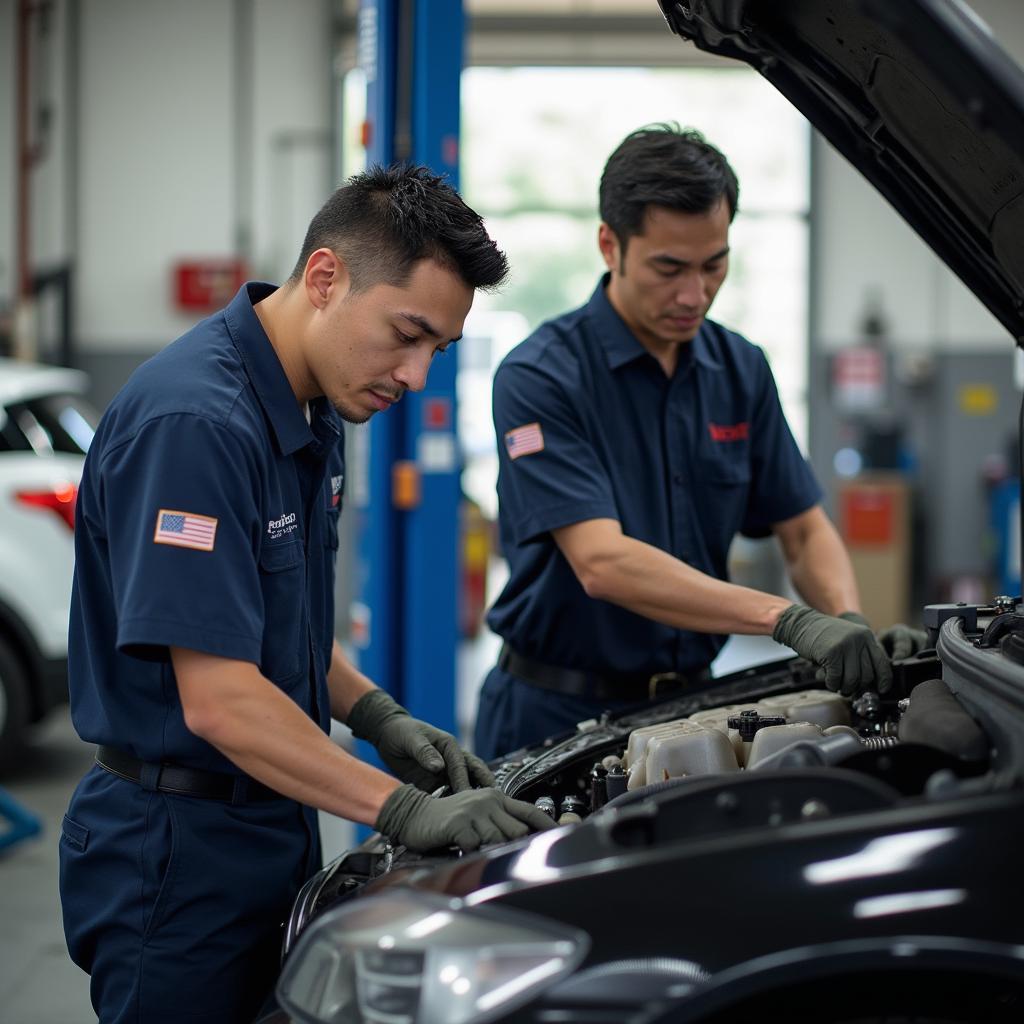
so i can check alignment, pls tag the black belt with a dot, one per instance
(636, 686)
(172, 778)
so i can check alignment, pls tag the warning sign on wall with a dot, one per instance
(858, 378)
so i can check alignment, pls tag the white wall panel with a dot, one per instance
(291, 137)
(181, 157)
(155, 161)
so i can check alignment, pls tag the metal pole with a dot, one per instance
(431, 566)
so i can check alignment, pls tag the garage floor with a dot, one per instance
(38, 983)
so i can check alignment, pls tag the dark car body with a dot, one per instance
(863, 871)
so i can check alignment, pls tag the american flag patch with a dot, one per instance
(524, 440)
(185, 529)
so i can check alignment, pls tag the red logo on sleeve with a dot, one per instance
(732, 432)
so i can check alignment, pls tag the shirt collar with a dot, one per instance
(621, 345)
(287, 420)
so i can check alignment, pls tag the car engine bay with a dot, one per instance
(747, 757)
(763, 748)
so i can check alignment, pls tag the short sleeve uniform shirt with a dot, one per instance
(207, 519)
(590, 427)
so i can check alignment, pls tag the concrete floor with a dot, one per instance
(38, 982)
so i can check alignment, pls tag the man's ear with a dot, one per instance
(326, 276)
(608, 243)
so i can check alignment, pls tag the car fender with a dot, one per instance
(21, 638)
(834, 970)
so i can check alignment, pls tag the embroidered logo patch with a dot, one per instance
(524, 440)
(336, 484)
(732, 432)
(281, 527)
(185, 529)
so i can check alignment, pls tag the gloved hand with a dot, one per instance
(415, 751)
(847, 650)
(901, 641)
(855, 617)
(418, 821)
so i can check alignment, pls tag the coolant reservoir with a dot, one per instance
(822, 707)
(773, 738)
(718, 718)
(704, 743)
(636, 750)
(693, 751)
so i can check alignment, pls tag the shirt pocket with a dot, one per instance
(725, 472)
(282, 583)
(75, 835)
(723, 488)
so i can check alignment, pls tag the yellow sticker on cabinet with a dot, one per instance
(978, 399)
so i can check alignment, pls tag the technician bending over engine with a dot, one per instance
(636, 438)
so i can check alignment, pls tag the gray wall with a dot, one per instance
(194, 129)
(863, 248)
(949, 447)
(864, 254)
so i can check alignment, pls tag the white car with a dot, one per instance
(45, 430)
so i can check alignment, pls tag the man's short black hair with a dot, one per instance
(663, 165)
(385, 220)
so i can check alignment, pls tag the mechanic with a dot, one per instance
(202, 657)
(636, 438)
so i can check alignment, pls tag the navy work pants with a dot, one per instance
(174, 904)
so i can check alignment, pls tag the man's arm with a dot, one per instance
(818, 563)
(613, 567)
(232, 706)
(650, 582)
(345, 684)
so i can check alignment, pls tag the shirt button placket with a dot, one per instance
(681, 467)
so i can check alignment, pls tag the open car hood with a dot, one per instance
(919, 97)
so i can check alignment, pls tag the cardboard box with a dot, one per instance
(874, 522)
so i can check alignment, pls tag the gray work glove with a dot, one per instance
(415, 751)
(849, 653)
(902, 641)
(855, 617)
(420, 822)
(899, 641)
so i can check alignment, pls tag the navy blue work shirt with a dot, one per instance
(207, 519)
(590, 427)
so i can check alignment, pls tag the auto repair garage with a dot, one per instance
(405, 579)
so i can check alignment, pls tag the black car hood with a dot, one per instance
(919, 97)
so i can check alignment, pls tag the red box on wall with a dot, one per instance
(868, 516)
(203, 285)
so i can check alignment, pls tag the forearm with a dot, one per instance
(654, 584)
(265, 733)
(821, 571)
(345, 684)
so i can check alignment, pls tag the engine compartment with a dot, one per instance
(901, 740)
(762, 749)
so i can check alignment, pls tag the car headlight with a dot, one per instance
(408, 958)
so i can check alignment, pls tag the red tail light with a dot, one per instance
(59, 499)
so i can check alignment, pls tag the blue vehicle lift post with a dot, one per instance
(407, 576)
